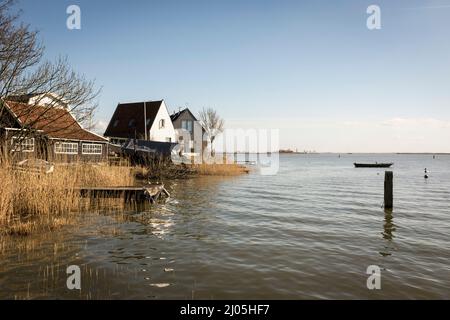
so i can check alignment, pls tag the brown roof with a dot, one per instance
(175, 116)
(130, 116)
(52, 121)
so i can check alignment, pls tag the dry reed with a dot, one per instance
(220, 169)
(31, 200)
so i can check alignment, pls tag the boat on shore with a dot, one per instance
(373, 165)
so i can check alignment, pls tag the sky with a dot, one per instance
(311, 69)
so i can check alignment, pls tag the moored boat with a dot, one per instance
(373, 165)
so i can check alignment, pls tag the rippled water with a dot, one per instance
(308, 232)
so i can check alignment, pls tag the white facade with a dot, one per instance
(165, 133)
(47, 99)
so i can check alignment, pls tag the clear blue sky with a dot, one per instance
(310, 68)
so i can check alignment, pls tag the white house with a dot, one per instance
(147, 120)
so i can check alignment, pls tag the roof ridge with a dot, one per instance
(138, 102)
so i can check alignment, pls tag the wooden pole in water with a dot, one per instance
(388, 190)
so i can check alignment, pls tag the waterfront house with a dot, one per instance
(47, 131)
(147, 120)
(188, 128)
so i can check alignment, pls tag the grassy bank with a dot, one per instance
(160, 170)
(219, 169)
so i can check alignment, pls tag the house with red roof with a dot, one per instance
(47, 131)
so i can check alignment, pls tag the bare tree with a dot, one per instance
(213, 125)
(24, 74)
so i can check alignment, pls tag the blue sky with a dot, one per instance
(309, 68)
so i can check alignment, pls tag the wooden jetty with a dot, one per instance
(150, 193)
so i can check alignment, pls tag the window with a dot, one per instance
(116, 123)
(148, 121)
(132, 123)
(162, 123)
(186, 125)
(180, 138)
(22, 144)
(66, 147)
(92, 148)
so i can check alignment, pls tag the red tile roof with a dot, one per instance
(52, 121)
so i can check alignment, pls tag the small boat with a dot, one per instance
(373, 165)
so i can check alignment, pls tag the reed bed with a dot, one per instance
(219, 169)
(31, 200)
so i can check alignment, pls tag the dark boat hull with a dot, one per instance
(373, 165)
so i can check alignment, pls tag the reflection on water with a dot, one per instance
(308, 232)
(388, 232)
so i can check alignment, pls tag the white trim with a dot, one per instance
(93, 145)
(12, 112)
(95, 134)
(65, 139)
(66, 143)
(20, 146)
(21, 129)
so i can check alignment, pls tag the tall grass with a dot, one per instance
(30, 200)
(219, 169)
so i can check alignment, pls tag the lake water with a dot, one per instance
(308, 232)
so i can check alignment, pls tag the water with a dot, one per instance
(309, 232)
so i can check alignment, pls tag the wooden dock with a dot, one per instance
(150, 193)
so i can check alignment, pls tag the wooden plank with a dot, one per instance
(130, 194)
(388, 190)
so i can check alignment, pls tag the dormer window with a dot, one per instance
(162, 123)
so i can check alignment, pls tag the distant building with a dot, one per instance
(42, 99)
(49, 132)
(185, 121)
(140, 120)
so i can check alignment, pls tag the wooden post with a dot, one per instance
(388, 190)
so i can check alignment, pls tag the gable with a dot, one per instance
(185, 114)
(163, 113)
(7, 119)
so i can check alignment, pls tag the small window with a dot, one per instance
(180, 138)
(66, 148)
(162, 123)
(187, 125)
(92, 148)
(116, 123)
(148, 121)
(24, 145)
(132, 123)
